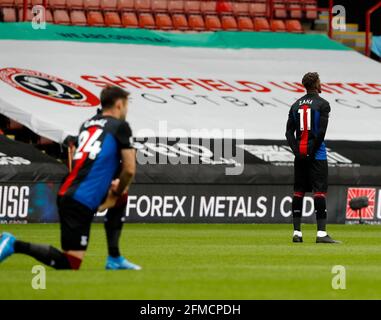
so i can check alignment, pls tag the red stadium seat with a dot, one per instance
(196, 22)
(261, 24)
(212, 23)
(192, 7)
(91, 4)
(159, 5)
(108, 5)
(146, 21)
(7, 3)
(126, 5)
(48, 16)
(294, 26)
(224, 6)
(240, 8)
(74, 4)
(57, 4)
(112, 19)
(163, 21)
(36, 2)
(295, 9)
(29, 15)
(245, 24)
(311, 12)
(9, 14)
(95, 18)
(176, 6)
(208, 7)
(20, 3)
(257, 9)
(78, 18)
(180, 22)
(278, 26)
(61, 17)
(129, 20)
(280, 10)
(229, 23)
(143, 5)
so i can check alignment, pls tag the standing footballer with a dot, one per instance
(306, 127)
(103, 169)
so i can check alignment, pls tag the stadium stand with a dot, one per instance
(245, 24)
(261, 24)
(78, 18)
(180, 22)
(129, 20)
(181, 15)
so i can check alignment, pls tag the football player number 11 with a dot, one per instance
(305, 118)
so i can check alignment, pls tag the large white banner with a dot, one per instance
(53, 86)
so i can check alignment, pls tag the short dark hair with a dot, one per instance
(111, 94)
(310, 80)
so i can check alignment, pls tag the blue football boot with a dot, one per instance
(6, 245)
(120, 263)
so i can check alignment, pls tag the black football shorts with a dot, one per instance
(75, 219)
(310, 175)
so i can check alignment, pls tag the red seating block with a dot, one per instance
(229, 23)
(146, 21)
(78, 18)
(192, 7)
(294, 26)
(245, 24)
(278, 26)
(180, 22)
(112, 19)
(92, 4)
(212, 23)
(61, 17)
(74, 4)
(208, 7)
(196, 22)
(261, 24)
(129, 20)
(95, 18)
(176, 6)
(9, 14)
(109, 5)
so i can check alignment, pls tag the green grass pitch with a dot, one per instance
(189, 261)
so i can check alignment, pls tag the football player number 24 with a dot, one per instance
(88, 143)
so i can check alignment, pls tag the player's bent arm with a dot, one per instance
(128, 170)
(324, 117)
(290, 134)
(321, 134)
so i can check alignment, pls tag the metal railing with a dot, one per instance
(368, 26)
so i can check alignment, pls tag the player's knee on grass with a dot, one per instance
(74, 259)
